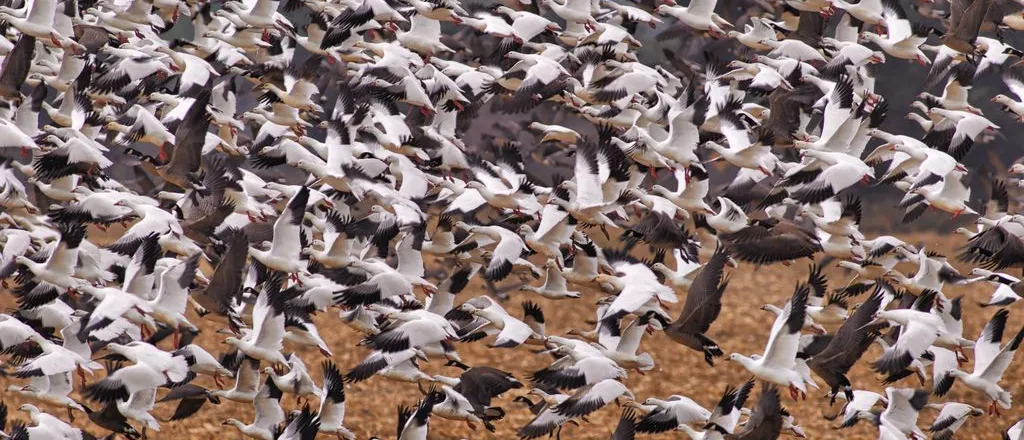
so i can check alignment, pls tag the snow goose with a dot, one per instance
(632, 13)
(46, 426)
(776, 366)
(37, 23)
(443, 301)
(555, 284)
(332, 406)
(413, 423)
(1015, 431)
(902, 38)
(284, 252)
(842, 171)
(759, 29)
(955, 94)
(1006, 287)
(423, 36)
(551, 235)
(154, 222)
(624, 353)
(70, 155)
(202, 362)
(920, 330)
(268, 414)
(729, 218)
(580, 364)
(130, 388)
(55, 275)
(511, 331)
(951, 195)
(265, 341)
(456, 406)
(952, 416)
(247, 378)
(990, 363)
(297, 381)
(637, 286)
(509, 247)
(703, 304)
(53, 390)
(592, 398)
(900, 416)
(15, 138)
(400, 366)
(681, 276)
(301, 331)
(744, 152)
(261, 14)
(169, 305)
(113, 304)
(863, 402)
(725, 415)
(698, 15)
(671, 413)
(189, 138)
(417, 329)
(546, 421)
(794, 49)
(601, 172)
(555, 133)
(573, 11)
(139, 125)
(1012, 105)
(173, 367)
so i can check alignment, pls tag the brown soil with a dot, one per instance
(742, 327)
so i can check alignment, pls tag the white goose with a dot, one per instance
(265, 341)
(284, 252)
(777, 364)
(699, 14)
(555, 284)
(1013, 105)
(332, 405)
(991, 362)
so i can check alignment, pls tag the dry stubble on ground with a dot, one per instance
(742, 327)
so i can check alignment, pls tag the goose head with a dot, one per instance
(739, 358)
(1002, 99)
(29, 408)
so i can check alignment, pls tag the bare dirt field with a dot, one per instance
(742, 327)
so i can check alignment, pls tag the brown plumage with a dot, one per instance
(965, 20)
(15, 68)
(703, 304)
(765, 422)
(772, 241)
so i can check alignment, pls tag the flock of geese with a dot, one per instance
(265, 173)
